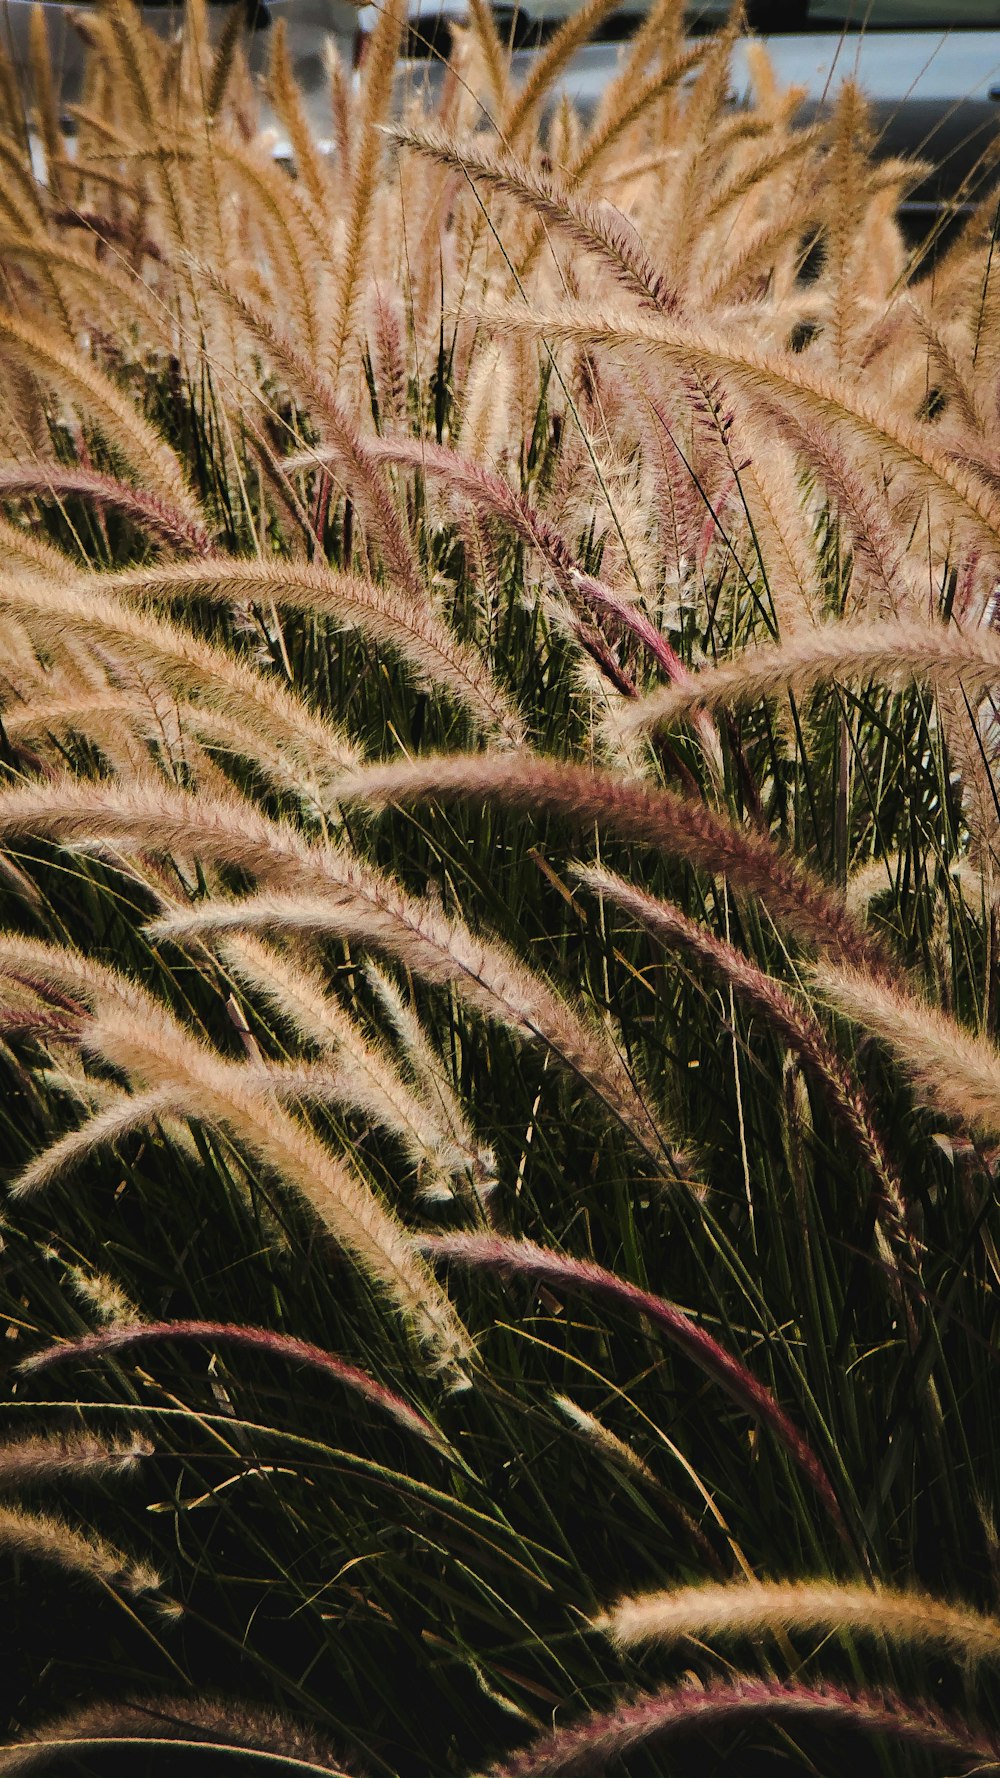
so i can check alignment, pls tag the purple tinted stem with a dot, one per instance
(253, 1339)
(495, 1253)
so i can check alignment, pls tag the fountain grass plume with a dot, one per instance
(163, 521)
(631, 811)
(409, 627)
(129, 1336)
(153, 1048)
(192, 669)
(590, 1745)
(41, 1537)
(495, 1253)
(897, 653)
(749, 1608)
(68, 1458)
(778, 383)
(334, 893)
(237, 1733)
(598, 229)
(357, 904)
(951, 1068)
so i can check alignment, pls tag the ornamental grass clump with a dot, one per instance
(499, 943)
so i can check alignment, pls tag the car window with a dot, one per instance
(914, 15)
(782, 17)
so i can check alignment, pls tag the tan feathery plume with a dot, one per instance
(390, 619)
(137, 303)
(132, 1033)
(187, 665)
(654, 43)
(753, 1608)
(627, 102)
(388, 354)
(674, 824)
(365, 483)
(341, 107)
(364, 1077)
(59, 973)
(78, 379)
(126, 1113)
(491, 493)
(848, 163)
(22, 545)
(173, 727)
(598, 229)
(496, 61)
(159, 817)
(330, 892)
(161, 1053)
(67, 1457)
(376, 98)
(101, 1296)
(96, 715)
(373, 912)
(547, 64)
(12, 111)
(370, 1087)
(754, 168)
(432, 1082)
(46, 110)
(287, 101)
(223, 62)
(781, 525)
(756, 249)
(483, 434)
(617, 115)
(952, 1070)
(56, 481)
(785, 383)
(881, 576)
(687, 177)
(895, 653)
(598, 1435)
(191, 1725)
(40, 1537)
(296, 237)
(138, 63)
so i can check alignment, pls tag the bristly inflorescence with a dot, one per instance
(500, 877)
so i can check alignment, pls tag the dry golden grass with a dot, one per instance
(498, 680)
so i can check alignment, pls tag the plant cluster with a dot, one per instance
(500, 952)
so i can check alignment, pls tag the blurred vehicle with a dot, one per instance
(310, 24)
(931, 68)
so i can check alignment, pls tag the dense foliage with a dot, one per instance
(499, 970)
